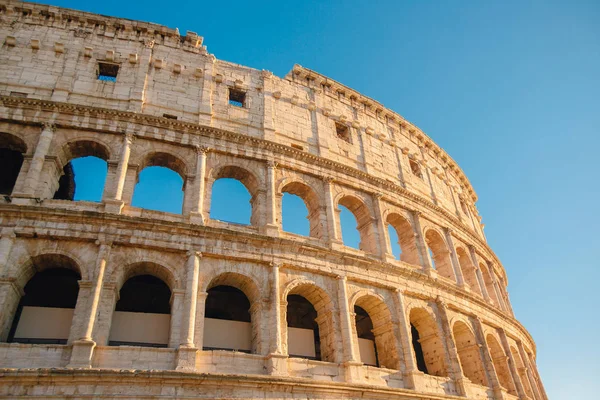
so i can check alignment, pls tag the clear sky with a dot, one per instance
(510, 89)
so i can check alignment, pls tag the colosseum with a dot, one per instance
(104, 299)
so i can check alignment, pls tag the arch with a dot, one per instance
(159, 271)
(500, 362)
(74, 150)
(44, 312)
(522, 371)
(166, 160)
(406, 238)
(247, 179)
(439, 253)
(142, 315)
(12, 149)
(427, 343)
(468, 270)
(364, 220)
(469, 353)
(325, 341)
(316, 216)
(489, 283)
(382, 333)
(247, 316)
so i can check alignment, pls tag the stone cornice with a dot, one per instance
(118, 121)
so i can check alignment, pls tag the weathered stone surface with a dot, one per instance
(303, 134)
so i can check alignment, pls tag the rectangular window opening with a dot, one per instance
(342, 132)
(170, 116)
(107, 72)
(237, 98)
(297, 146)
(18, 94)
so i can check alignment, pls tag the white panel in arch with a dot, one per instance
(301, 342)
(44, 323)
(224, 334)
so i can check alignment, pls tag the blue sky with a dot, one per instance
(510, 89)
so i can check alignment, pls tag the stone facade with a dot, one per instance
(303, 134)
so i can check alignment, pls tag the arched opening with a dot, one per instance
(500, 361)
(439, 254)
(234, 196)
(84, 171)
(12, 149)
(522, 371)
(366, 338)
(294, 215)
(310, 325)
(375, 333)
(161, 184)
(227, 322)
(45, 312)
(429, 353)
(415, 168)
(489, 284)
(142, 315)
(364, 224)
(300, 211)
(405, 238)
(469, 354)
(468, 270)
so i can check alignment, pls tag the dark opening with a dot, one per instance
(416, 169)
(145, 294)
(302, 314)
(421, 366)
(227, 303)
(108, 72)
(54, 287)
(364, 329)
(66, 184)
(342, 132)
(10, 165)
(237, 98)
(170, 116)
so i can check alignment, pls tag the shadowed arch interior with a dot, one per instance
(468, 270)
(12, 149)
(316, 216)
(469, 353)
(227, 198)
(500, 361)
(406, 238)
(440, 254)
(429, 343)
(365, 228)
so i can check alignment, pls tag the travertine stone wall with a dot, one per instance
(169, 106)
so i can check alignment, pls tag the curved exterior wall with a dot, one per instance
(54, 108)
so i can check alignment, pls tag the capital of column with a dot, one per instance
(329, 180)
(49, 126)
(272, 164)
(342, 278)
(378, 195)
(129, 137)
(194, 253)
(201, 149)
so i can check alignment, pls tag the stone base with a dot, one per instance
(352, 371)
(23, 199)
(277, 364)
(196, 218)
(113, 206)
(269, 230)
(81, 354)
(186, 359)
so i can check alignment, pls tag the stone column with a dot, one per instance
(332, 228)
(268, 122)
(6, 243)
(532, 381)
(460, 280)
(108, 300)
(480, 279)
(410, 366)
(421, 245)
(197, 212)
(205, 109)
(512, 365)
(186, 356)
(428, 174)
(81, 356)
(276, 360)
(199, 328)
(114, 204)
(350, 352)
(536, 375)
(384, 239)
(454, 367)
(37, 162)
(271, 227)
(497, 291)
(177, 302)
(488, 361)
(10, 296)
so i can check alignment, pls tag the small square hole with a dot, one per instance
(237, 98)
(342, 132)
(107, 72)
